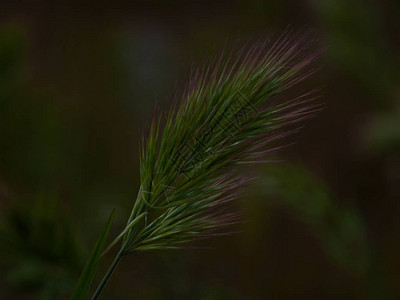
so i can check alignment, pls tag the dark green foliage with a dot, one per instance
(340, 227)
(43, 254)
(85, 280)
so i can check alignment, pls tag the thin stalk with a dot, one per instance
(121, 252)
(108, 274)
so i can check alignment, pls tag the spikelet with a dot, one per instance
(232, 113)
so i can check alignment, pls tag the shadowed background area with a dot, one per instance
(78, 84)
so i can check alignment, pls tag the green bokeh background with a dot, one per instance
(78, 83)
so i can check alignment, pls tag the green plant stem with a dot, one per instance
(108, 274)
(126, 232)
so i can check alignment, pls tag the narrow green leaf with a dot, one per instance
(85, 280)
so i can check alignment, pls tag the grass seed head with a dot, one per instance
(232, 112)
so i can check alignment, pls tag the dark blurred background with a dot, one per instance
(79, 79)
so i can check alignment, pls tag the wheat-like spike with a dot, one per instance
(231, 113)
